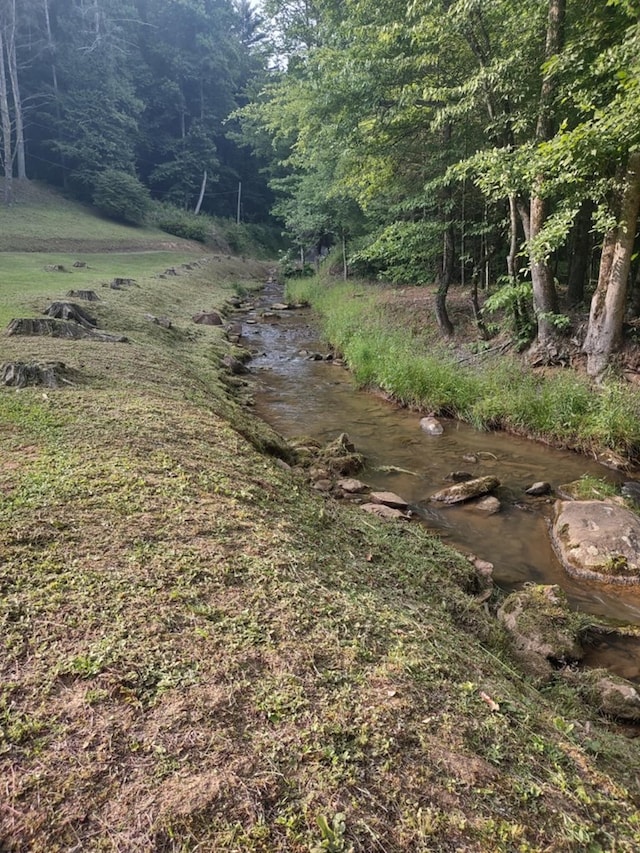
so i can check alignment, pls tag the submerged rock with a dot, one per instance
(467, 490)
(597, 540)
(458, 476)
(431, 426)
(489, 505)
(537, 489)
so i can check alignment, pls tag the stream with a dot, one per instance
(317, 399)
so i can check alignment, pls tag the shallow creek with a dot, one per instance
(317, 399)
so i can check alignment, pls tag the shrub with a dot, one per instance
(121, 196)
(182, 223)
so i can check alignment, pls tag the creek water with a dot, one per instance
(299, 397)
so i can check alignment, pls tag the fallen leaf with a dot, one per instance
(493, 706)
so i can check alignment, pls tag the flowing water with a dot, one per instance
(318, 399)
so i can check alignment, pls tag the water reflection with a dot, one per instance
(317, 399)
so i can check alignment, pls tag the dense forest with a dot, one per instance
(95, 91)
(493, 144)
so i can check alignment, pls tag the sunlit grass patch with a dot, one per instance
(490, 391)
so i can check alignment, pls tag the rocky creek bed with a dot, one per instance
(503, 500)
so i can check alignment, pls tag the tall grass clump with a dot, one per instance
(562, 407)
(613, 420)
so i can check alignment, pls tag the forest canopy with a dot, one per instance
(144, 88)
(472, 141)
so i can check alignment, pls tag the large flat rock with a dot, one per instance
(597, 540)
(466, 491)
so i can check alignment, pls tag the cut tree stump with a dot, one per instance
(87, 295)
(50, 374)
(120, 283)
(59, 329)
(70, 311)
(165, 322)
(207, 318)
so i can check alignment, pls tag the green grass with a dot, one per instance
(411, 362)
(40, 214)
(198, 652)
(27, 286)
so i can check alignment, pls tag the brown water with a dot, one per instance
(318, 399)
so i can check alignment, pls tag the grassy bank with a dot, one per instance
(199, 653)
(388, 338)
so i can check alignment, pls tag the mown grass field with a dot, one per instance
(200, 653)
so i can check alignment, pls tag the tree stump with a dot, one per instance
(80, 265)
(120, 283)
(50, 374)
(87, 295)
(59, 329)
(70, 311)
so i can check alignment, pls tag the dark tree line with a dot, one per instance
(144, 87)
(467, 141)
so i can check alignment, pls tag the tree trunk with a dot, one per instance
(54, 81)
(513, 239)
(604, 332)
(580, 255)
(5, 124)
(345, 266)
(203, 187)
(17, 101)
(443, 281)
(545, 299)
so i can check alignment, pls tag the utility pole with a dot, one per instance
(239, 197)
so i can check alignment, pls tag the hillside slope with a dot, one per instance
(200, 653)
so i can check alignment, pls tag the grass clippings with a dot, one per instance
(200, 653)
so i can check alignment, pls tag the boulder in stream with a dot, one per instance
(542, 624)
(383, 511)
(431, 426)
(466, 491)
(597, 540)
(538, 489)
(351, 486)
(340, 457)
(389, 499)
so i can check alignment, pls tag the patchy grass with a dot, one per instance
(27, 285)
(42, 220)
(200, 653)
